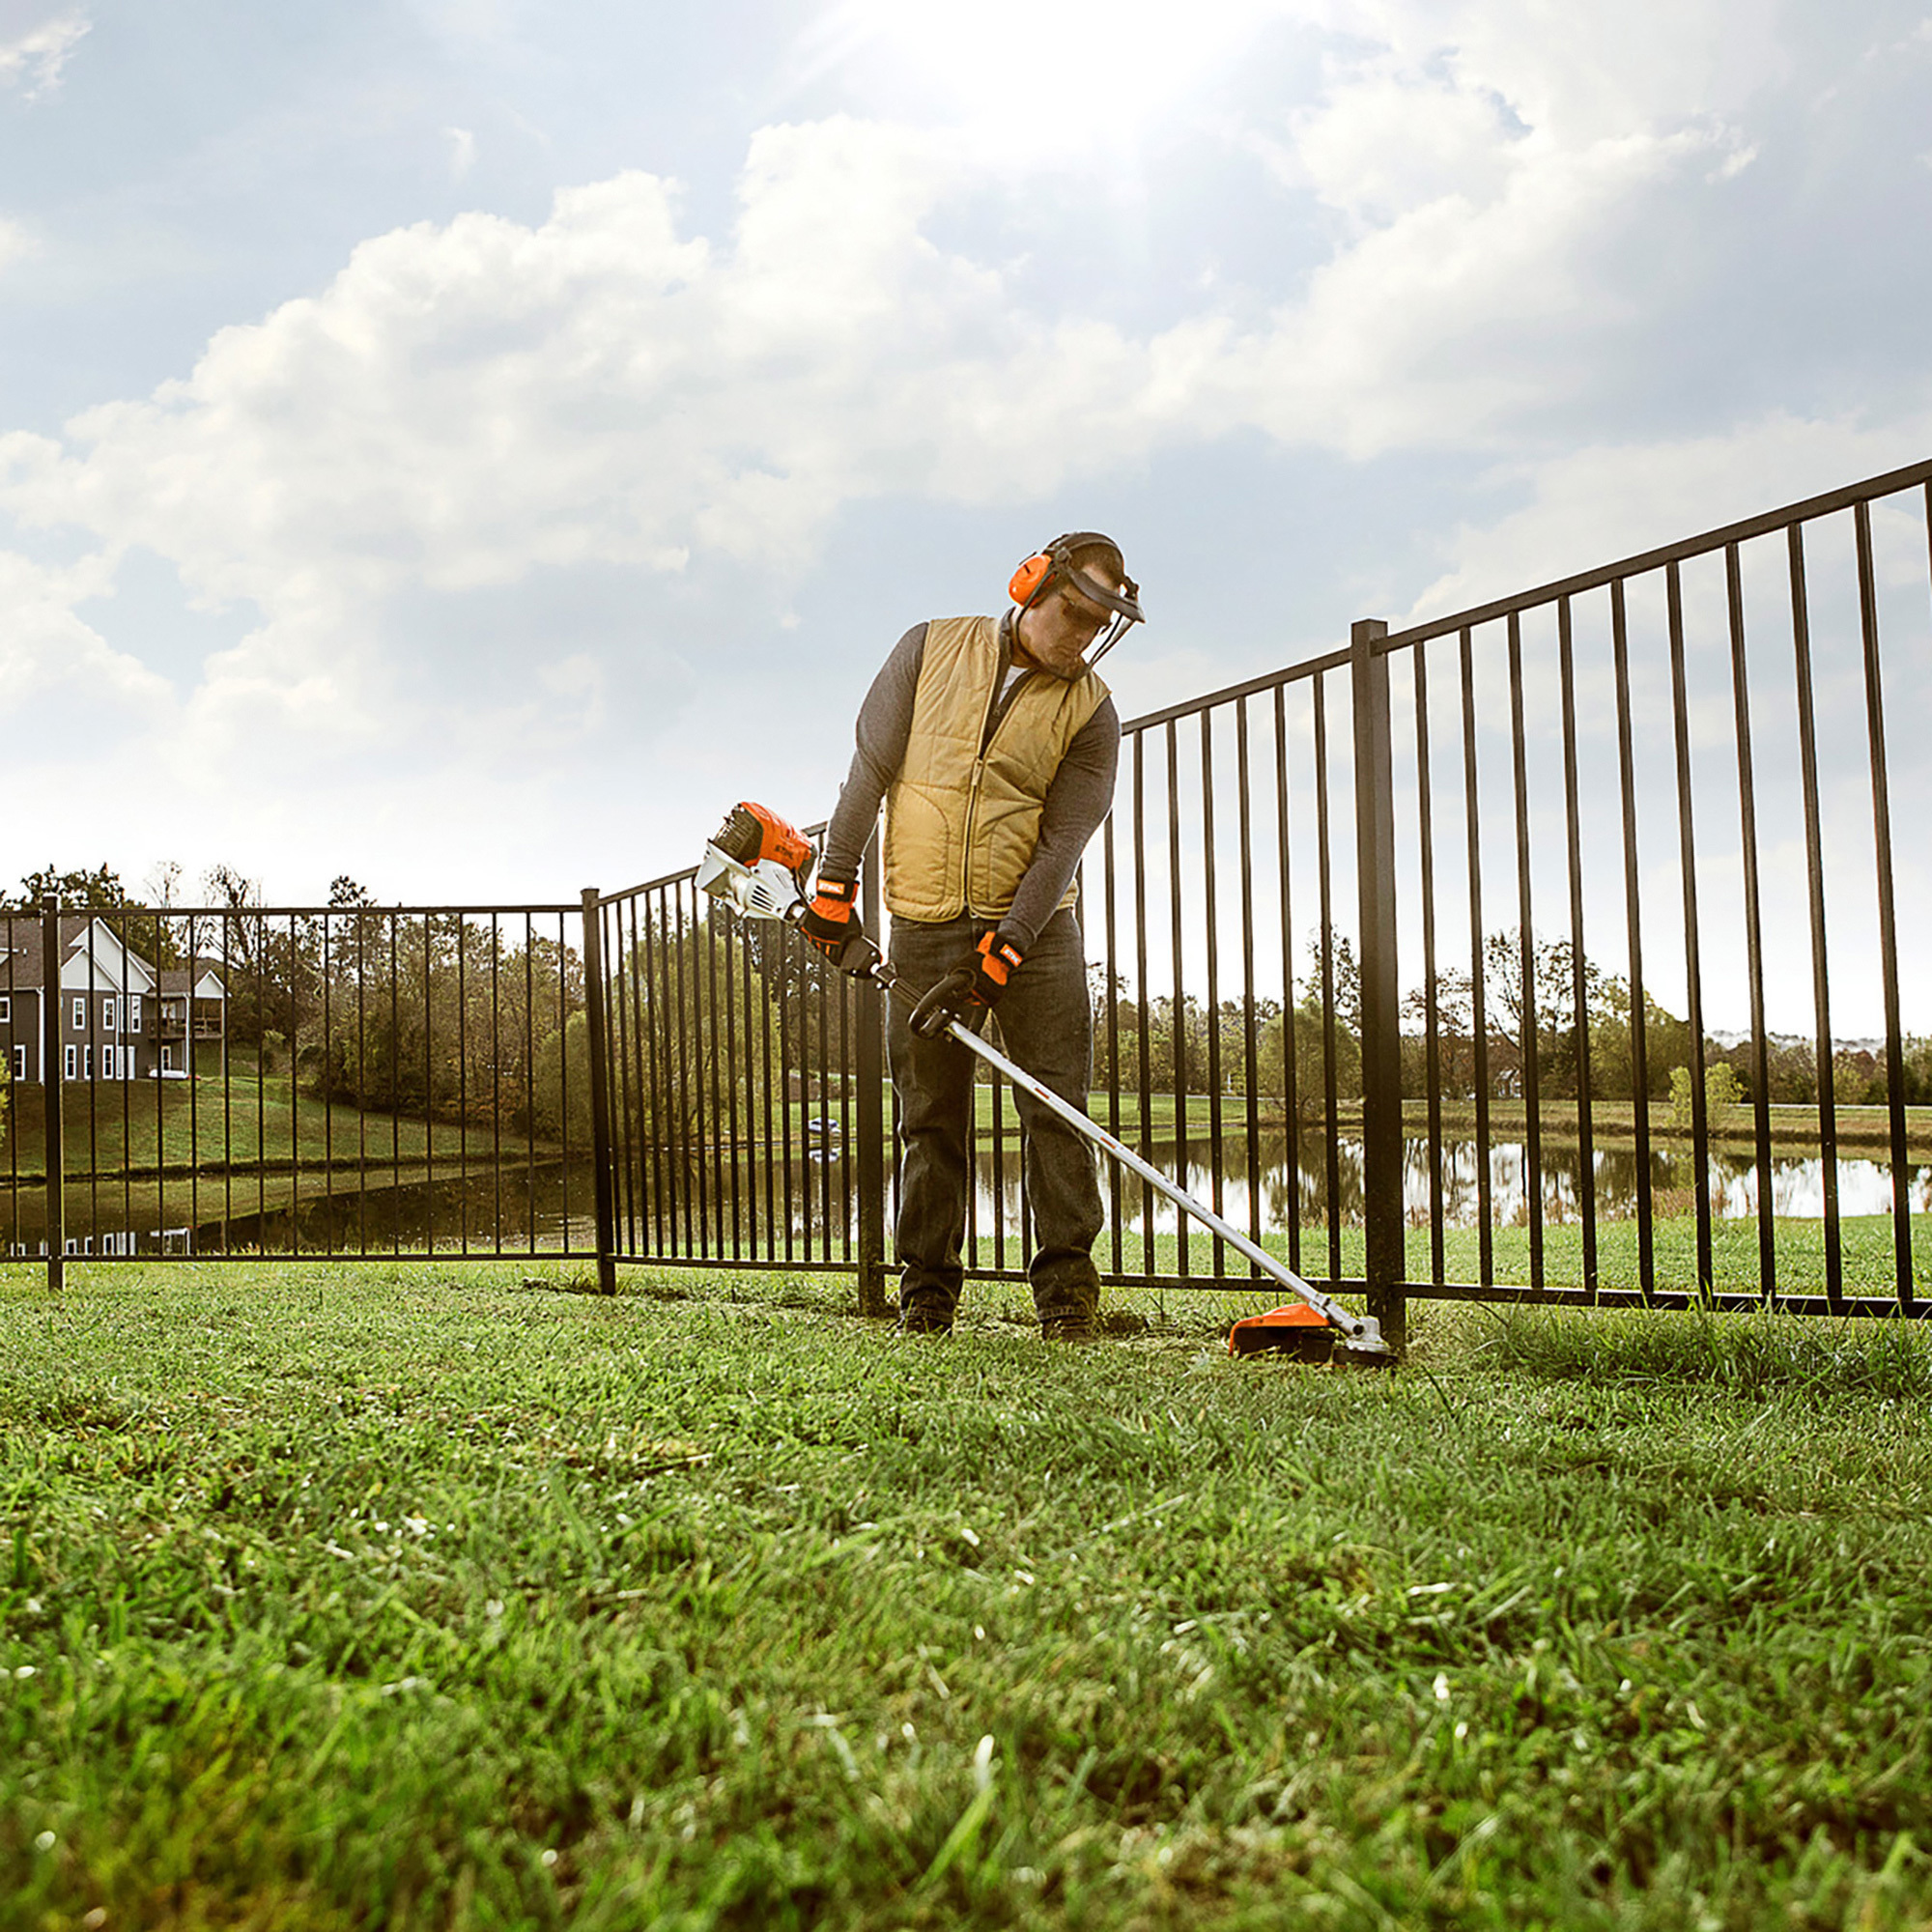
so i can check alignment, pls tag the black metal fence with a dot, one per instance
(1488, 958)
(1515, 923)
(328, 1081)
(746, 1118)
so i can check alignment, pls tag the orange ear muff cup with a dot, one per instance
(1028, 579)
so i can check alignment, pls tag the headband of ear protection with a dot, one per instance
(1038, 574)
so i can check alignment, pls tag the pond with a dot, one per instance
(1287, 1184)
(546, 1210)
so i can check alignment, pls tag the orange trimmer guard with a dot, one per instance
(1295, 1330)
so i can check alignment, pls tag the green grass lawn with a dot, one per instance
(350, 1596)
(142, 1127)
(1866, 1254)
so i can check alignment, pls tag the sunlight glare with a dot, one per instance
(1047, 79)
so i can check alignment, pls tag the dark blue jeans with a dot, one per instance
(1046, 1025)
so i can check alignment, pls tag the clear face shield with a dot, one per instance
(1123, 608)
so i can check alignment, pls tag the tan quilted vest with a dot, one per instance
(961, 828)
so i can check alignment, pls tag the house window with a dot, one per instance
(133, 1012)
(20, 1063)
(70, 1059)
(110, 1016)
(107, 1062)
(167, 1058)
(6, 1007)
(86, 1061)
(79, 1014)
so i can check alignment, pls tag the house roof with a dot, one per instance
(22, 961)
(208, 983)
(20, 955)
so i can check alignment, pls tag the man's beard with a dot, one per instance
(1060, 660)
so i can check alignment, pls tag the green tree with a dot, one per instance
(99, 889)
(1308, 1030)
(1721, 1095)
(1917, 1058)
(1666, 1041)
(420, 1014)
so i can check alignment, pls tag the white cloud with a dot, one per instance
(1487, 158)
(45, 647)
(14, 243)
(1445, 323)
(37, 57)
(1385, 142)
(1577, 75)
(466, 403)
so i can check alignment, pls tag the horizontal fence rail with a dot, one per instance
(324, 1081)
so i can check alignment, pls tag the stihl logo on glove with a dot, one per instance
(832, 924)
(835, 899)
(998, 961)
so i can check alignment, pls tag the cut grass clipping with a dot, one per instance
(349, 1595)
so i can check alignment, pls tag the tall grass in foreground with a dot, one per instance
(335, 1595)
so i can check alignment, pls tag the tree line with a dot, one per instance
(1486, 1035)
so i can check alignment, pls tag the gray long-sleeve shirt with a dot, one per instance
(1077, 799)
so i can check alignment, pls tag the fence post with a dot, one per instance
(1385, 1261)
(869, 1070)
(50, 1089)
(600, 1097)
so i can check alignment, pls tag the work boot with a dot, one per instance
(925, 1314)
(1069, 1323)
(1066, 1292)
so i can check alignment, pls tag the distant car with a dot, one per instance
(826, 1127)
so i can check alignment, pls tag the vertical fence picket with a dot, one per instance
(1888, 914)
(1383, 1261)
(53, 1088)
(1767, 1231)
(1432, 1004)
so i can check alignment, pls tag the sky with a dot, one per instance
(466, 445)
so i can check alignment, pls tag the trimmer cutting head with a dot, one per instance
(1303, 1334)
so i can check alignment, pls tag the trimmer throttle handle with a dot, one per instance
(941, 1003)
